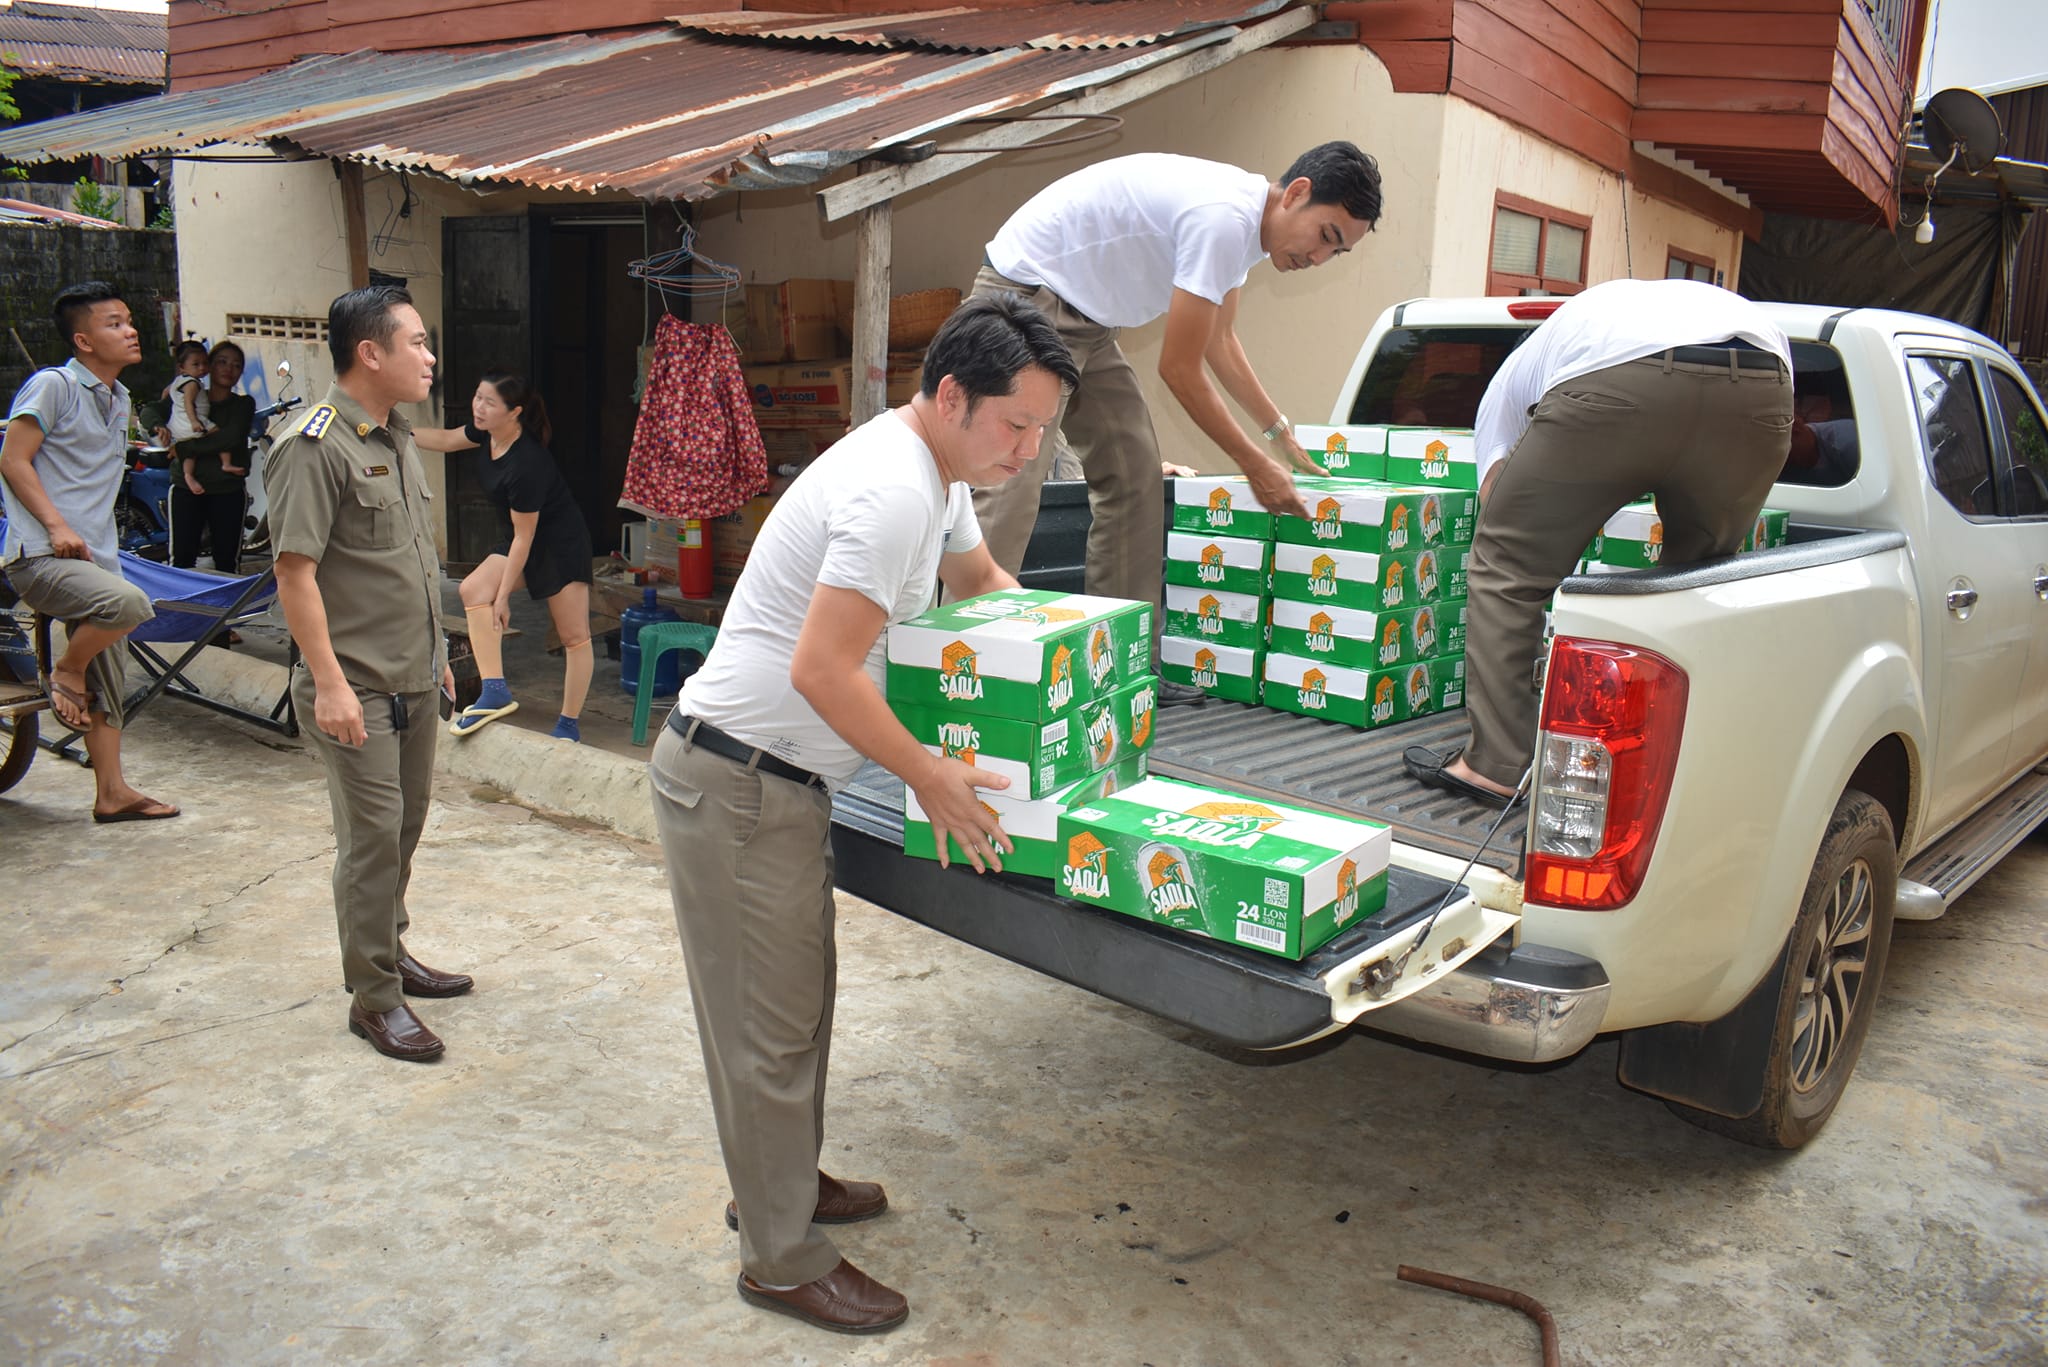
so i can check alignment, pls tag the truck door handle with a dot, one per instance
(2041, 585)
(1961, 600)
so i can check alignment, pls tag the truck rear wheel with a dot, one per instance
(1828, 980)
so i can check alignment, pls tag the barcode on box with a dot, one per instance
(1252, 933)
(1277, 893)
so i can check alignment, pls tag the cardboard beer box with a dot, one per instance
(1232, 564)
(1773, 528)
(1038, 757)
(1436, 629)
(1362, 580)
(1452, 520)
(1231, 619)
(1633, 538)
(1031, 654)
(1338, 636)
(1363, 698)
(1221, 671)
(1432, 455)
(1451, 562)
(1220, 504)
(1031, 824)
(1346, 452)
(1356, 516)
(1277, 879)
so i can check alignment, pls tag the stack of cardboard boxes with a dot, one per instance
(1633, 539)
(1219, 552)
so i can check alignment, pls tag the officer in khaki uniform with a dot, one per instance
(360, 582)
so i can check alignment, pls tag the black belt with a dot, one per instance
(1747, 355)
(719, 743)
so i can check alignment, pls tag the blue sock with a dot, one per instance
(566, 729)
(494, 695)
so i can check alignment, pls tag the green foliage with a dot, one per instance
(9, 110)
(163, 218)
(96, 201)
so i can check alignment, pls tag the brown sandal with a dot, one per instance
(62, 695)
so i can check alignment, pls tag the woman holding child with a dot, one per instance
(207, 483)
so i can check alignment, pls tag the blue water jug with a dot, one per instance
(649, 611)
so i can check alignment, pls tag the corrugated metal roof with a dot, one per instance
(660, 114)
(971, 28)
(74, 43)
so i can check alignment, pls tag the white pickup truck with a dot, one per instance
(1793, 748)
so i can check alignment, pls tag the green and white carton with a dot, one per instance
(1222, 671)
(1339, 636)
(1039, 757)
(1031, 823)
(1633, 538)
(1432, 455)
(1219, 618)
(1233, 564)
(1277, 879)
(1355, 515)
(1436, 629)
(1030, 654)
(1346, 452)
(1453, 517)
(1220, 505)
(1773, 528)
(1364, 698)
(1450, 570)
(1363, 580)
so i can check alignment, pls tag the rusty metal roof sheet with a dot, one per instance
(75, 43)
(659, 114)
(972, 28)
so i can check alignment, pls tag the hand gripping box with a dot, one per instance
(1233, 564)
(1362, 580)
(1216, 617)
(1222, 671)
(1358, 516)
(1277, 879)
(1220, 505)
(1346, 452)
(1364, 698)
(1031, 824)
(1339, 636)
(1039, 757)
(1432, 455)
(1029, 654)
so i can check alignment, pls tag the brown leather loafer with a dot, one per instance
(396, 1033)
(839, 1203)
(845, 1300)
(421, 981)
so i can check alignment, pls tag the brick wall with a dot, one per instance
(37, 260)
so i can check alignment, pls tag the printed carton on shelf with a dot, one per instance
(1356, 515)
(1220, 505)
(1358, 452)
(1362, 580)
(1031, 823)
(1041, 757)
(1222, 671)
(1232, 564)
(1029, 654)
(1432, 455)
(1216, 617)
(1364, 698)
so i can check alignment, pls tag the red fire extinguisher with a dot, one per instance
(693, 557)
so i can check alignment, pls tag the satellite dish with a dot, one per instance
(1960, 123)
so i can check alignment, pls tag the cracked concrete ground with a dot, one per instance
(202, 1166)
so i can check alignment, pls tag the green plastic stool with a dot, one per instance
(656, 640)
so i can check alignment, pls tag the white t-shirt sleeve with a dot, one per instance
(866, 549)
(963, 528)
(1209, 251)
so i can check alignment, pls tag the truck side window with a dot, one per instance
(1825, 449)
(2026, 443)
(1952, 432)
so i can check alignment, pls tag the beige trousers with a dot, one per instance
(1707, 441)
(1108, 426)
(750, 872)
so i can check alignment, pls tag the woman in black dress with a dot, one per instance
(549, 551)
(207, 487)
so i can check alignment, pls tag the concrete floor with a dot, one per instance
(202, 1166)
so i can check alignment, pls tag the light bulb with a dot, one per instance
(1924, 234)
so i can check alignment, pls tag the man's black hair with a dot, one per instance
(364, 315)
(1338, 173)
(75, 304)
(988, 341)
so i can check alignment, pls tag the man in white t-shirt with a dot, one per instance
(1674, 387)
(788, 705)
(1136, 238)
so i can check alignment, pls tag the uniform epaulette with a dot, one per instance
(314, 424)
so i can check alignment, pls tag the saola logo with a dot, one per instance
(1336, 452)
(1653, 549)
(1209, 618)
(1328, 523)
(1210, 568)
(1418, 690)
(1167, 886)
(1205, 669)
(1314, 693)
(959, 740)
(1436, 460)
(1322, 577)
(1392, 592)
(1046, 617)
(959, 678)
(1220, 514)
(1397, 527)
(1390, 641)
(1086, 873)
(1101, 732)
(1059, 690)
(1425, 574)
(1101, 655)
(1347, 891)
(1322, 633)
(1425, 632)
(1227, 825)
(1383, 700)
(1432, 518)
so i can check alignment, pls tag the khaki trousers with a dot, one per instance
(1107, 425)
(379, 793)
(750, 872)
(1707, 441)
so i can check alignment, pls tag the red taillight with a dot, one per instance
(1526, 309)
(1612, 717)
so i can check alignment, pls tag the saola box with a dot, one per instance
(1030, 654)
(1231, 564)
(1210, 615)
(1031, 824)
(1432, 455)
(1276, 879)
(1773, 528)
(1364, 698)
(1346, 452)
(1633, 538)
(1355, 516)
(1436, 629)
(1339, 636)
(1219, 505)
(1038, 757)
(1363, 580)
(1223, 671)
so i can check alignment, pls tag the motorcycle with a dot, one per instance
(142, 511)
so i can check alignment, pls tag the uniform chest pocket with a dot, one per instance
(373, 515)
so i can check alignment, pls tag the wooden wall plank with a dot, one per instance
(1607, 55)
(1394, 20)
(1628, 13)
(1673, 128)
(1421, 68)
(1853, 99)
(1828, 7)
(1778, 30)
(1493, 87)
(1481, 31)
(1732, 60)
(1873, 184)
(1726, 96)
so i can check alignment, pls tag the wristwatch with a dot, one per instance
(1280, 426)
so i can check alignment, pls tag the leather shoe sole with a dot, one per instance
(1428, 767)
(839, 1203)
(844, 1300)
(421, 981)
(396, 1033)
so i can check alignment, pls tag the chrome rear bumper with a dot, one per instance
(1526, 1005)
